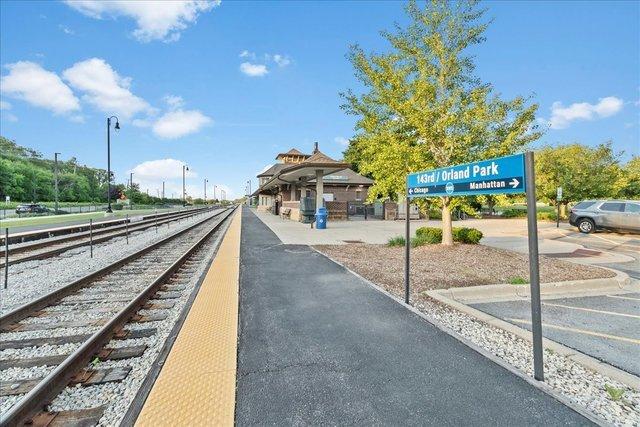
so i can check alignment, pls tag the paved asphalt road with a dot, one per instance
(623, 243)
(319, 346)
(604, 327)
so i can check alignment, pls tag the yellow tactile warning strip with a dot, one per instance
(197, 383)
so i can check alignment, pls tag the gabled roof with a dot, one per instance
(319, 157)
(273, 169)
(292, 152)
(345, 176)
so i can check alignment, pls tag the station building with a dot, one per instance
(287, 187)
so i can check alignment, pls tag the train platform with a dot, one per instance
(197, 383)
(316, 344)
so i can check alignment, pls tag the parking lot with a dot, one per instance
(606, 327)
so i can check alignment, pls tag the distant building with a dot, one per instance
(296, 175)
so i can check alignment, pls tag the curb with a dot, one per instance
(495, 359)
(588, 362)
(570, 288)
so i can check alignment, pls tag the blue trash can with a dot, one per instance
(321, 218)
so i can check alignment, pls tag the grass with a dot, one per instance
(396, 241)
(61, 219)
(615, 394)
(517, 280)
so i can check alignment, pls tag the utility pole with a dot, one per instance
(131, 181)
(205, 190)
(214, 192)
(163, 191)
(184, 193)
(117, 127)
(55, 156)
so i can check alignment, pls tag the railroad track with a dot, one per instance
(110, 305)
(55, 246)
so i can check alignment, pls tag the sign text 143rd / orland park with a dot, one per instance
(500, 175)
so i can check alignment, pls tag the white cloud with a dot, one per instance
(163, 168)
(247, 54)
(281, 60)
(30, 82)
(156, 19)
(105, 88)
(66, 30)
(178, 123)
(561, 117)
(253, 70)
(174, 102)
(341, 140)
(4, 105)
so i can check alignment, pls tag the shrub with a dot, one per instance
(396, 241)
(434, 214)
(466, 235)
(429, 234)
(420, 241)
(517, 280)
(514, 213)
(548, 216)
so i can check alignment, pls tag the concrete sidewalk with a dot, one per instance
(510, 234)
(318, 345)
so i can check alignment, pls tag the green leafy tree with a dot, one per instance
(629, 183)
(424, 108)
(583, 172)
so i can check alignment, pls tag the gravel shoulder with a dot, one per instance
(439, 267)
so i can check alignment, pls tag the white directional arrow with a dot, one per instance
(514, 183)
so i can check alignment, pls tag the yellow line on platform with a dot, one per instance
(579, 331)
(197, 384)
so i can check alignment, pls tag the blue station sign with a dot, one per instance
(503, 175)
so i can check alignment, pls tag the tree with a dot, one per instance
(630, 183)
(583, 172)
(424, 108)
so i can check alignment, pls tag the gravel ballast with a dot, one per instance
(33, 279)
(117, 396)
(583, 387)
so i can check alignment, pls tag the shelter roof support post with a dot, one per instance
(319, 189)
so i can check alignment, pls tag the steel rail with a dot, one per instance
(36, 400)
(137, 225)
(27, 309)
(46, 233)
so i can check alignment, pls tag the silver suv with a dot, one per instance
(592, 215)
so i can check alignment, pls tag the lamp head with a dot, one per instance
(117, 126)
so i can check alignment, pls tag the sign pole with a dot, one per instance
(534, 271)
(407, 247)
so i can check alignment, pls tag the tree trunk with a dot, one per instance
(447, 234)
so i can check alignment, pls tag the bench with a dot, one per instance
(285, 213)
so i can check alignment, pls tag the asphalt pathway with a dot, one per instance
(318, 345)
(606, 327)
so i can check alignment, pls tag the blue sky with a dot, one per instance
(177, 82)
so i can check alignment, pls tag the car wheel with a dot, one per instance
(586, 225)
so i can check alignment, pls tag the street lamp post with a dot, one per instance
(249, 195)
(205, 190)
(55, 156)
(163, 191)
(214, 192)
(131, 181)
(184, 193)
(116, 127)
